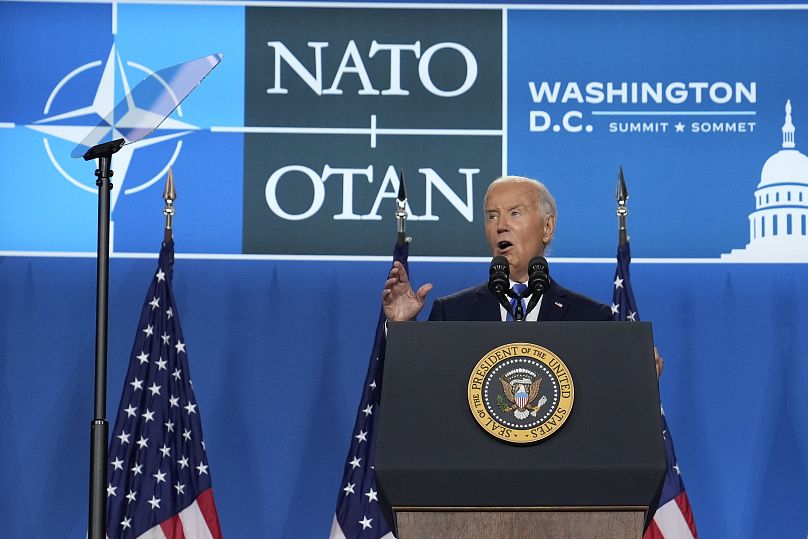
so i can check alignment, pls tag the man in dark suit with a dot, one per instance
(557, 304)
(520, 218)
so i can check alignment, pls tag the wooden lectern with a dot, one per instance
(445, 477)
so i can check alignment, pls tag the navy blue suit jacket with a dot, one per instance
(558, 303)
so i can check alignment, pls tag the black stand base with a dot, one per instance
(99, 432)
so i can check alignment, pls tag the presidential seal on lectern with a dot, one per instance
(520, 393)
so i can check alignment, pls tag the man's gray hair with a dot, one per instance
(545, 201)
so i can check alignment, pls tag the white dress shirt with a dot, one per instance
(532, 316)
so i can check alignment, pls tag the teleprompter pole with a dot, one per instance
(99, 428)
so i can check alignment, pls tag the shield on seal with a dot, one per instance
(521, 397)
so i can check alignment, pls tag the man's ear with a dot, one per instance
(549, 229)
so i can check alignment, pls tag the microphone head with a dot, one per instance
(538, 275)
(498, 275)
(538, 280)
(499, 264)
(538, 262)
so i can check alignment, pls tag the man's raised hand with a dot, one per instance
(399, 300)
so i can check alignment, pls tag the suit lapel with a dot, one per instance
(553, 304)
(486, 306)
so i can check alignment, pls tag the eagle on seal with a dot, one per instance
(521, 395)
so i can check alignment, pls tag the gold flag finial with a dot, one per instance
(169, 195)
(401, 210)
(621, 194)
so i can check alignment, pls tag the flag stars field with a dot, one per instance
(158, 429)
(363, 515)
(674, 513)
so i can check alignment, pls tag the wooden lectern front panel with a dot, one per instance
(520, 524)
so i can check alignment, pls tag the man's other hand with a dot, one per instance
(660, 363)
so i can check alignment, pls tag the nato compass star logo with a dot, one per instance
(74, 125)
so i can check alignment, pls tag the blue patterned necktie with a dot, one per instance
(518, 302)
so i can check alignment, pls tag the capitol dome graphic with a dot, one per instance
(778, 228)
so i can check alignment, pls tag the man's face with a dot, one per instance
(515, 227)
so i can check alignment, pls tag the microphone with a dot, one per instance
(498, 282)
(538, 280)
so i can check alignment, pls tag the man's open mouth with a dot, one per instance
(504, 245)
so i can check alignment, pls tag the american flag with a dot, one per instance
(360, 513)
(673, 518)
(159, 479)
